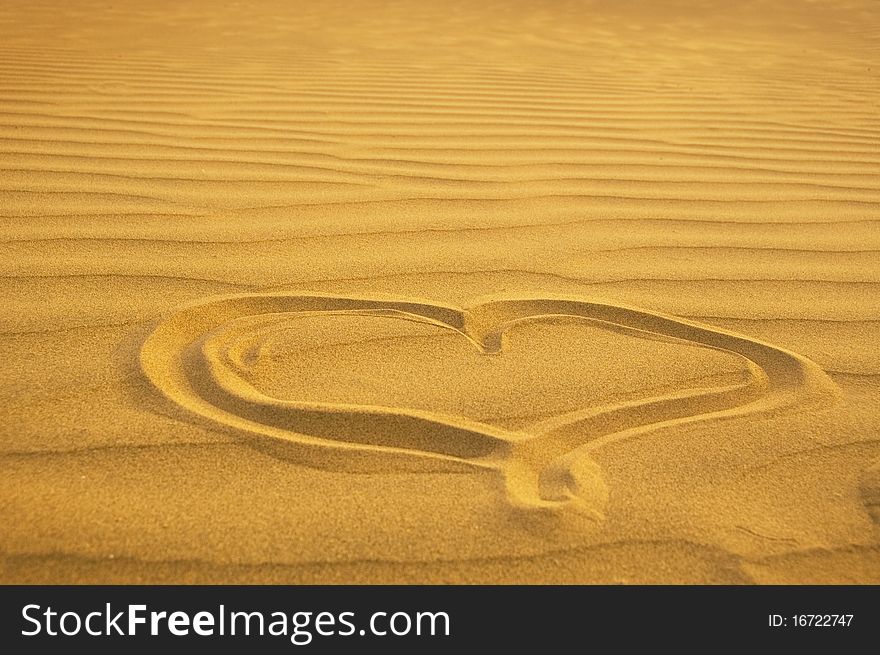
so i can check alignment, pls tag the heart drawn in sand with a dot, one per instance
(195, 358)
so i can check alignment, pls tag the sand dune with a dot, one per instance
(437, 292)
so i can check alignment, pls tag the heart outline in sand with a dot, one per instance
(546, 469)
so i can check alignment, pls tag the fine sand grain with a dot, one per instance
(440, 292)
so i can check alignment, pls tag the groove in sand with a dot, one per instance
(191, 358)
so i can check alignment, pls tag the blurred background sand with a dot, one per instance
(714, 161)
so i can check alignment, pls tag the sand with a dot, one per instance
(569, 292)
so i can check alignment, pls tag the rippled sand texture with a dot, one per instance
(440, 292)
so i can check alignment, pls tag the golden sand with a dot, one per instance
(440, 291)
